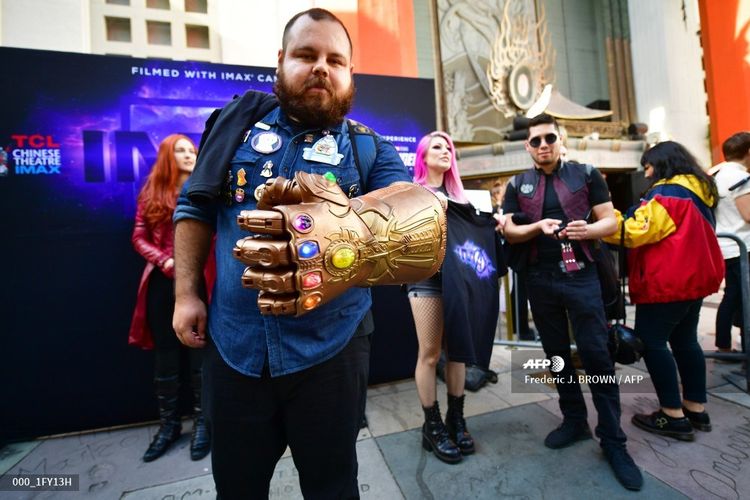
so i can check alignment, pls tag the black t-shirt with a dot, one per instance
(548, 248)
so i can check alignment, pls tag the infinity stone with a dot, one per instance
(303, 223)
(308, 250)
(312, 280)
(343, 258)
(311, 302)
(330, 178)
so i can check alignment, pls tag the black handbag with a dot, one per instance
(624, 347)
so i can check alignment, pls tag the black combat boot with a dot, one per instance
(170, 427)
(435, 436)
(200, 440)
(456, 425)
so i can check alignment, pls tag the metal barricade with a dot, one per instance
(734, 379)
(511, 314)
(745, 287)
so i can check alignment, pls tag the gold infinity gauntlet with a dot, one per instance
(312, 243)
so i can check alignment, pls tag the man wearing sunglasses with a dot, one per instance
(547, 209)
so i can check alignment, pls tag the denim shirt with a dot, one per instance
(246, 339)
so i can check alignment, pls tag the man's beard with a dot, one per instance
(310, 110)
(550, 161)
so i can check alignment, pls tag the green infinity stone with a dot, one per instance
(330, 177)
(343, 258)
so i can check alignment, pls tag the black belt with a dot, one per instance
(561, 265)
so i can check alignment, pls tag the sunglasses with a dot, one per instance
(550, 139)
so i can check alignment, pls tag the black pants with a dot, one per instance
(316, 412)
(521, 323)
(167, 347)
(676, 323)
(731, 305)
(556, 297)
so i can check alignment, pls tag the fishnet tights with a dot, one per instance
(428, 319)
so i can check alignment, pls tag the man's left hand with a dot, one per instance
(576, 230)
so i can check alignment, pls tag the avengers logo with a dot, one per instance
(476, 258)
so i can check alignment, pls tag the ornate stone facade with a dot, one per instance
(496, 58)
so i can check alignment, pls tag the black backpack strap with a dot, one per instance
(365, 149)
(621, 267)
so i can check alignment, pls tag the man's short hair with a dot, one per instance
(737, 146)
(316, 14)
(543, 119)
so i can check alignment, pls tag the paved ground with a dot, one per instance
(508, 420)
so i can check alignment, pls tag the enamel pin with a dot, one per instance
(241, 181)
(267, 169)
(259, 191)
(266, 142)
(324, 151)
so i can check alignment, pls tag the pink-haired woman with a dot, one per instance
(436, 169)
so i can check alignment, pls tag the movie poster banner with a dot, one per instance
(78, 136)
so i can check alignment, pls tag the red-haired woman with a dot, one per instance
(153, 238)
(436, 169)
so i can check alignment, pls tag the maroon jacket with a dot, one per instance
(156, 245)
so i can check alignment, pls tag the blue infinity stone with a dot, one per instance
(308, 250)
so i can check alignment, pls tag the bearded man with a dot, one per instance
(286, 361)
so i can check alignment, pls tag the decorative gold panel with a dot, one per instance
(496, 58)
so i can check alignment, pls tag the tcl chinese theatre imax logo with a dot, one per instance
(34, 154)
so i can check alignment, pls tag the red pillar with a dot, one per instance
(725, 35)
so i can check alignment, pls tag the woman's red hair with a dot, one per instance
(159, 194)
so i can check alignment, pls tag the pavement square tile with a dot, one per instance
(715, 465)
(510, 461)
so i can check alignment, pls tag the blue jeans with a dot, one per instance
(555, 297)
(676, 323)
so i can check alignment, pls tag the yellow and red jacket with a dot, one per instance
(674, 253)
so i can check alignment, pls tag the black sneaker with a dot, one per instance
(699, 419)
(567, 433)
(662, 424)
(623, 466)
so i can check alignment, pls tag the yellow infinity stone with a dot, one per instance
(343, 258)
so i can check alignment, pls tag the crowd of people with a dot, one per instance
(281, 351)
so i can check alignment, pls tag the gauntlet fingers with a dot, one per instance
(259, 252)
(277, 281)
(277, 304)
(261, 221)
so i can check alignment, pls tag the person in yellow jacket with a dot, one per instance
(674, 262)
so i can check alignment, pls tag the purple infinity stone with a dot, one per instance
(302, 223)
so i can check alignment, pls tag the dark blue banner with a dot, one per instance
(79, 134)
